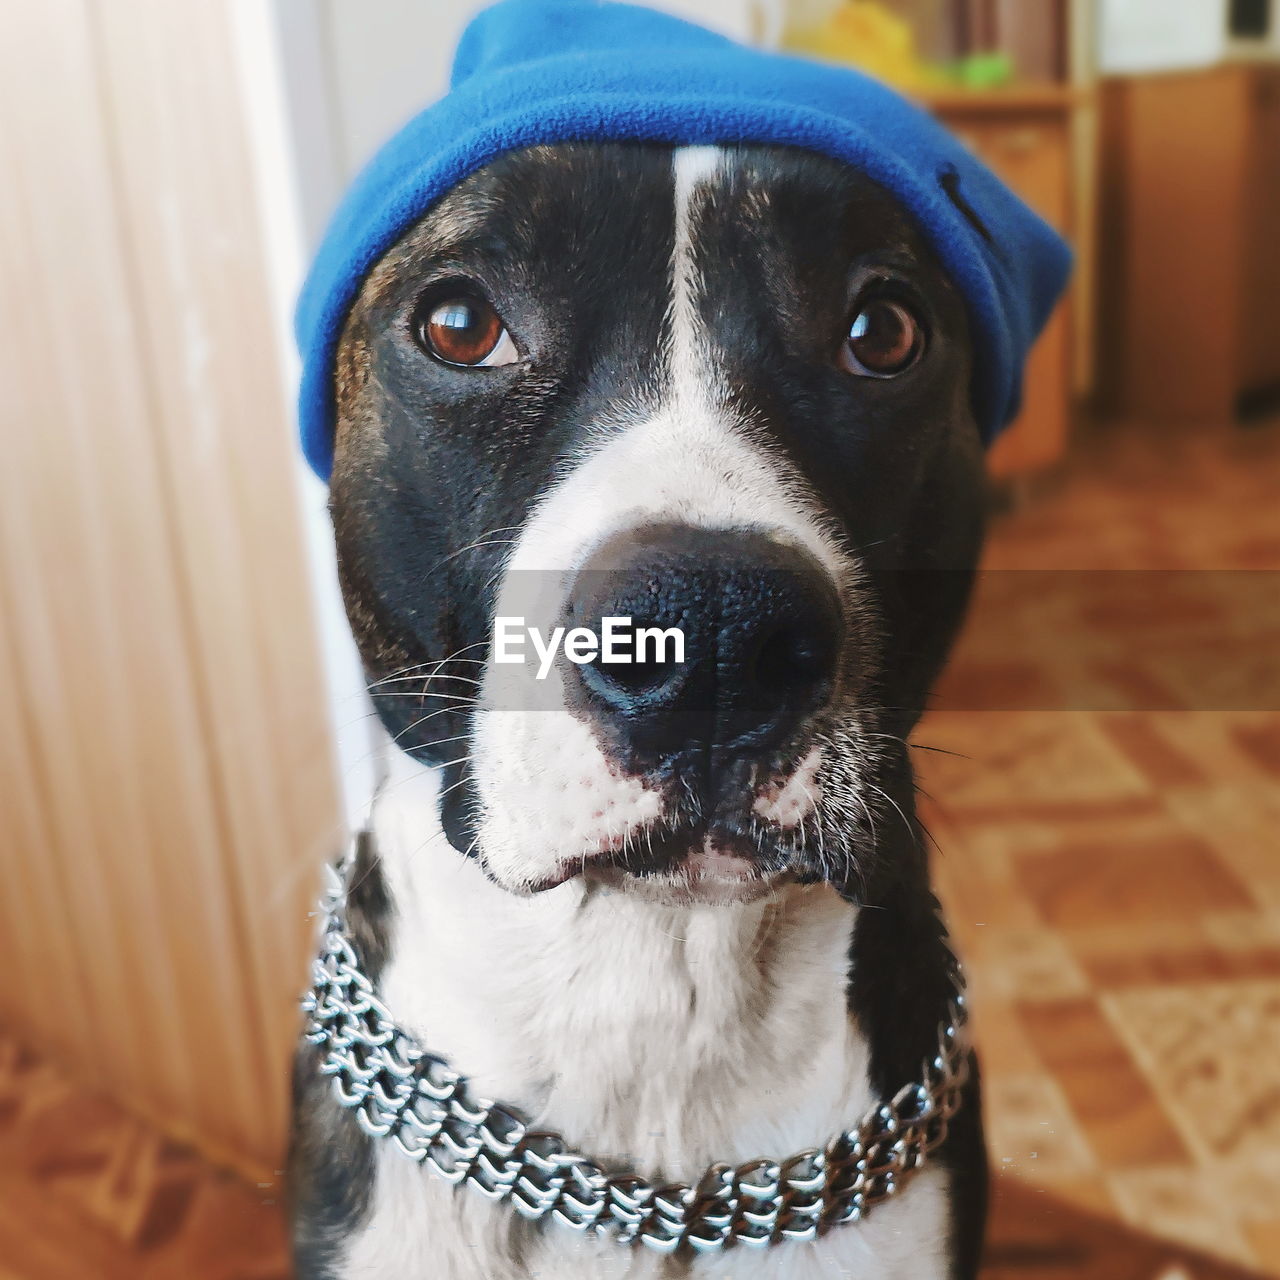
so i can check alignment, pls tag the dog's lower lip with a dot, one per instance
(685, 850)
(691, 857)
(713, 863)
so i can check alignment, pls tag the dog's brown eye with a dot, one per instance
(884, 339)
(465, 330)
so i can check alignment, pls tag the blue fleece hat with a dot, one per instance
(543, 71)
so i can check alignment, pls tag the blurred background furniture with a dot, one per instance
(1014, 81)
(1156, 120)
(1190, 306)
(1026, 136)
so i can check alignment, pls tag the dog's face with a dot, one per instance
(721, 391)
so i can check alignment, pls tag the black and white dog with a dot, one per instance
(678, 912)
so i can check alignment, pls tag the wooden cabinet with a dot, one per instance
(1025, 137)
(1189, 296)
(1260, 266)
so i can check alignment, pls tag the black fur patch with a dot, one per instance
(898, 991)
(330, 1173)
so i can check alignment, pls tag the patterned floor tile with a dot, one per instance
(1115, 1105)
(89, 1192)
(1241, 821)
(1262, 743)
(1175, 951)
(1032, 1131)
(1140, 738)
(1032, 964)
(1039, 1235)
(1213, 1053)
(1176, 878)
(1244, 930)
(1264, 1240)
(1028, 765)
(1177, 1203)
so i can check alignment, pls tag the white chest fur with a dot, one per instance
(664, 1038)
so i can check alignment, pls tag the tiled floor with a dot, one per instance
(1112, 864)
(89, 1193)
(1112, 869)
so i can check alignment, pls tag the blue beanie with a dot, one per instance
(543, 71)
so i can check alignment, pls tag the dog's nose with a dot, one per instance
(760, 623)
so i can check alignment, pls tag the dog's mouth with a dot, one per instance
(741, 851)
(691, 864)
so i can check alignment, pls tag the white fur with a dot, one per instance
(666, 1037)
(663, 1037)
(789, 802)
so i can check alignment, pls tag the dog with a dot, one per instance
(678, 912)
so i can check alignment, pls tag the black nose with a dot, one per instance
(761, 628)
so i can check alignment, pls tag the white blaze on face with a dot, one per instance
(549, 796)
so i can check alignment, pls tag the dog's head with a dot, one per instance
(723, 392)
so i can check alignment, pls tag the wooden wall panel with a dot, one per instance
(168, 752)
(92, 583)
(52, 988)
(174, 82)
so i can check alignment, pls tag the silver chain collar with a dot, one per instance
(400, 1091)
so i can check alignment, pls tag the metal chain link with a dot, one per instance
(401, 1092)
